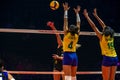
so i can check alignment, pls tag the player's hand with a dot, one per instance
(55, 56)
(78, 45)
(85, 13)
(95, 11)
(77, 10)
(50, 24)
(65, 6)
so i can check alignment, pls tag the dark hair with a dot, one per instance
(73, 29)
(108, 31)
(1, 63)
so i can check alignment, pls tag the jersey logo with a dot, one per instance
(70, 45)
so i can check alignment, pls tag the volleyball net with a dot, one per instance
(5, 30)
(87, 33)
(46, 72)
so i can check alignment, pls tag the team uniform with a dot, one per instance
(69, 49)
(57, 62)
(3, 76)
(108, 51)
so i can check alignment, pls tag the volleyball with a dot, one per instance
(54, 5)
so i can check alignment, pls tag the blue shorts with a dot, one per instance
(109, 61)
(70, 58)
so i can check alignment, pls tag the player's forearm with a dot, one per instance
(100, 21)
(65, 20)
(78, 20)
(59, 41)
(93, 26)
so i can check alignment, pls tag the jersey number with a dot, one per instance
(110, 45)
(70, 45)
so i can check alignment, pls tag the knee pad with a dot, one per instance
(68, 78)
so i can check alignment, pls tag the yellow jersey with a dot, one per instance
(107, 47)
(69, 42)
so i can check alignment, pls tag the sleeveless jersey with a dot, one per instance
(69, 42)
(107, 47)
(3, 76)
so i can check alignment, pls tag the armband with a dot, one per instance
(78, 17)
(66, 14)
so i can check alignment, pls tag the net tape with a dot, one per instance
(46, 31)
(46, 72)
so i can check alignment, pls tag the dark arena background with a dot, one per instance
(33, 52)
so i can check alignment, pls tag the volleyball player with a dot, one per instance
(58, 57)
(70, 39)
(106, 38)
(4, 74)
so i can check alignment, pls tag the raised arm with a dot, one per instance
(98, 18)
(77, 10)
(92, 24)
(52, 26)
(66, 8)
